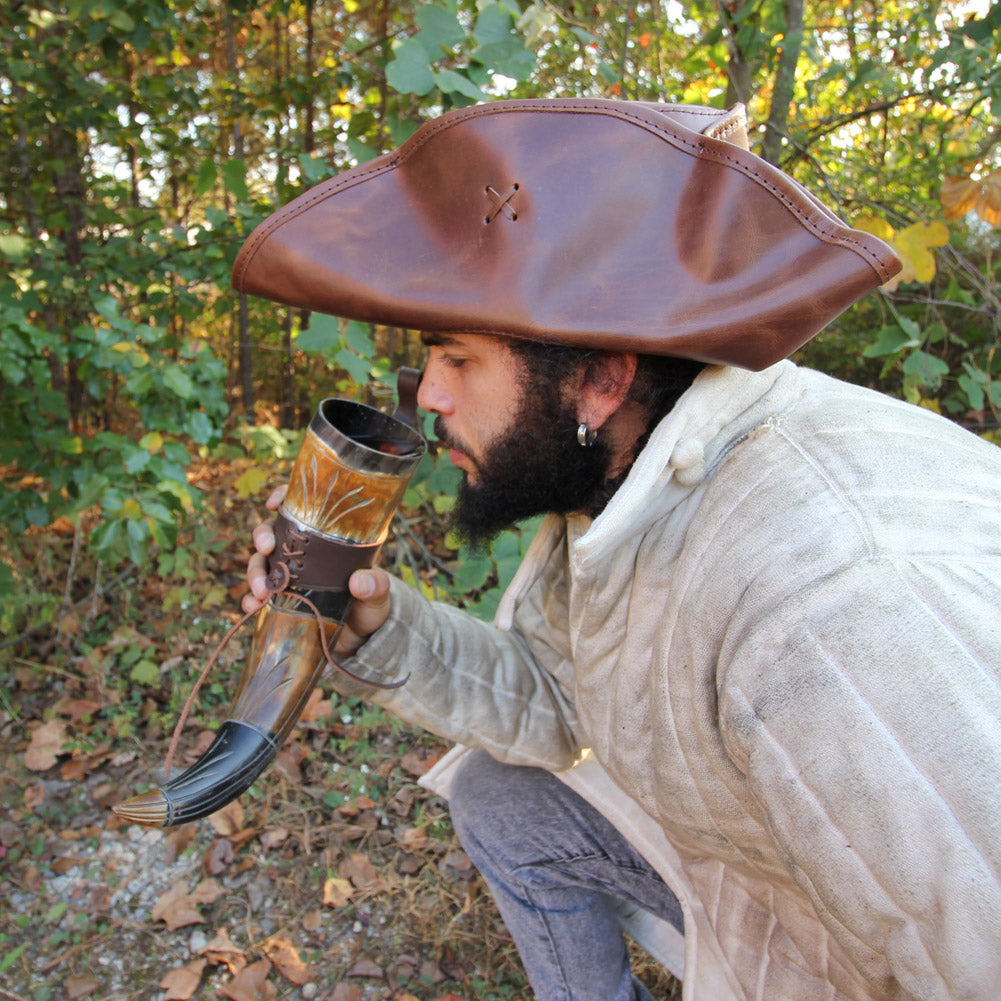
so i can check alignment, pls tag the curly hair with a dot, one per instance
(657, 385)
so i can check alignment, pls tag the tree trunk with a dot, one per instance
(244, 354)
(738, 19)
(776, 128)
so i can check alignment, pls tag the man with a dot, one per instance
(758, 631)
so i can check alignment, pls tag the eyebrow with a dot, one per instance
(430, 340)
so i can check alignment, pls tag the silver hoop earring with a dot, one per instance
(585, 436)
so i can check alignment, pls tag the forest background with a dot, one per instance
(147, 409)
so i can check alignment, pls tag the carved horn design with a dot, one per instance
(347, 481)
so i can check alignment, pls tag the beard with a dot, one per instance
(535, 467)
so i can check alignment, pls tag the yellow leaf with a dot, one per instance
(337, 891)
(152, 442)
(913, 242)
(286, 958)
(251, 482)
(132, 509)
(989, 202)
(958, 196)
(875, 226)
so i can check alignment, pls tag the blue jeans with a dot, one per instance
(555, 867)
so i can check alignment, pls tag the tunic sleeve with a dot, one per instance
(472, 683)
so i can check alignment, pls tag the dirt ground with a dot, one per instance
(335, 878)
(282, 895)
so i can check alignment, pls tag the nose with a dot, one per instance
(432, 395)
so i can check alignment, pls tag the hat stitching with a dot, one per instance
(702, 147)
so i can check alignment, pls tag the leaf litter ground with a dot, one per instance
(336, 878)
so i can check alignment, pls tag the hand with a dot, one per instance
(264, 544)
(370, 588)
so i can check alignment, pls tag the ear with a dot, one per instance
(605, 387)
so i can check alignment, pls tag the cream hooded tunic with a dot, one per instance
(779, 646)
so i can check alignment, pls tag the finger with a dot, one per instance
(277, 496)
(257, 575)
(264, 537)
(250, 604)
(370, 589)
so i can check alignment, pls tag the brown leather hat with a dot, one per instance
(613, 224)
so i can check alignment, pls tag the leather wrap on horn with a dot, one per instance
(347, 482)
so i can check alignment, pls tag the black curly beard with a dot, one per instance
(535, 467)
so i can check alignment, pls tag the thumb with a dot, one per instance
(370, 589)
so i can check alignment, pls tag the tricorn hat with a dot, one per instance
(612, 224)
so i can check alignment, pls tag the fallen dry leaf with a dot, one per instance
(288, 763)
(417, 764)
(228, 820)
(34, 796)
(366, 967)
(77, 709)
(413, 838)
(177, 840)
(360, 871)
(251, 984)
(316, 708)
(46, 745)
(175, 908)
(355, 806)
(219, 856)
(222, 950)
(80, 987)
(274, 838)
(81, 765)
(182, 982)
(337, 891)
(286, 958)
(313, 920)
(346, 992)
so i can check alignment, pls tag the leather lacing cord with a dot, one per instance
(277, 582)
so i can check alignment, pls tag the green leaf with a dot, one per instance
(323, 334)
(207, 175)
(440, 30)
(6, 578)
(136, 460)
(493, 24)
(313, 168)
(359, 339)
(12, 957)
(358, 368)
(234, 176)
(926, 367)
(120, 20)
(178, 381)
(410, 71)
(361, 151)
(449, 81)
(14, 246)
(974, 392)
(145, 672)
(199, 427)
(889, 341)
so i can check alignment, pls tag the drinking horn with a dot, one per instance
(347, 481)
